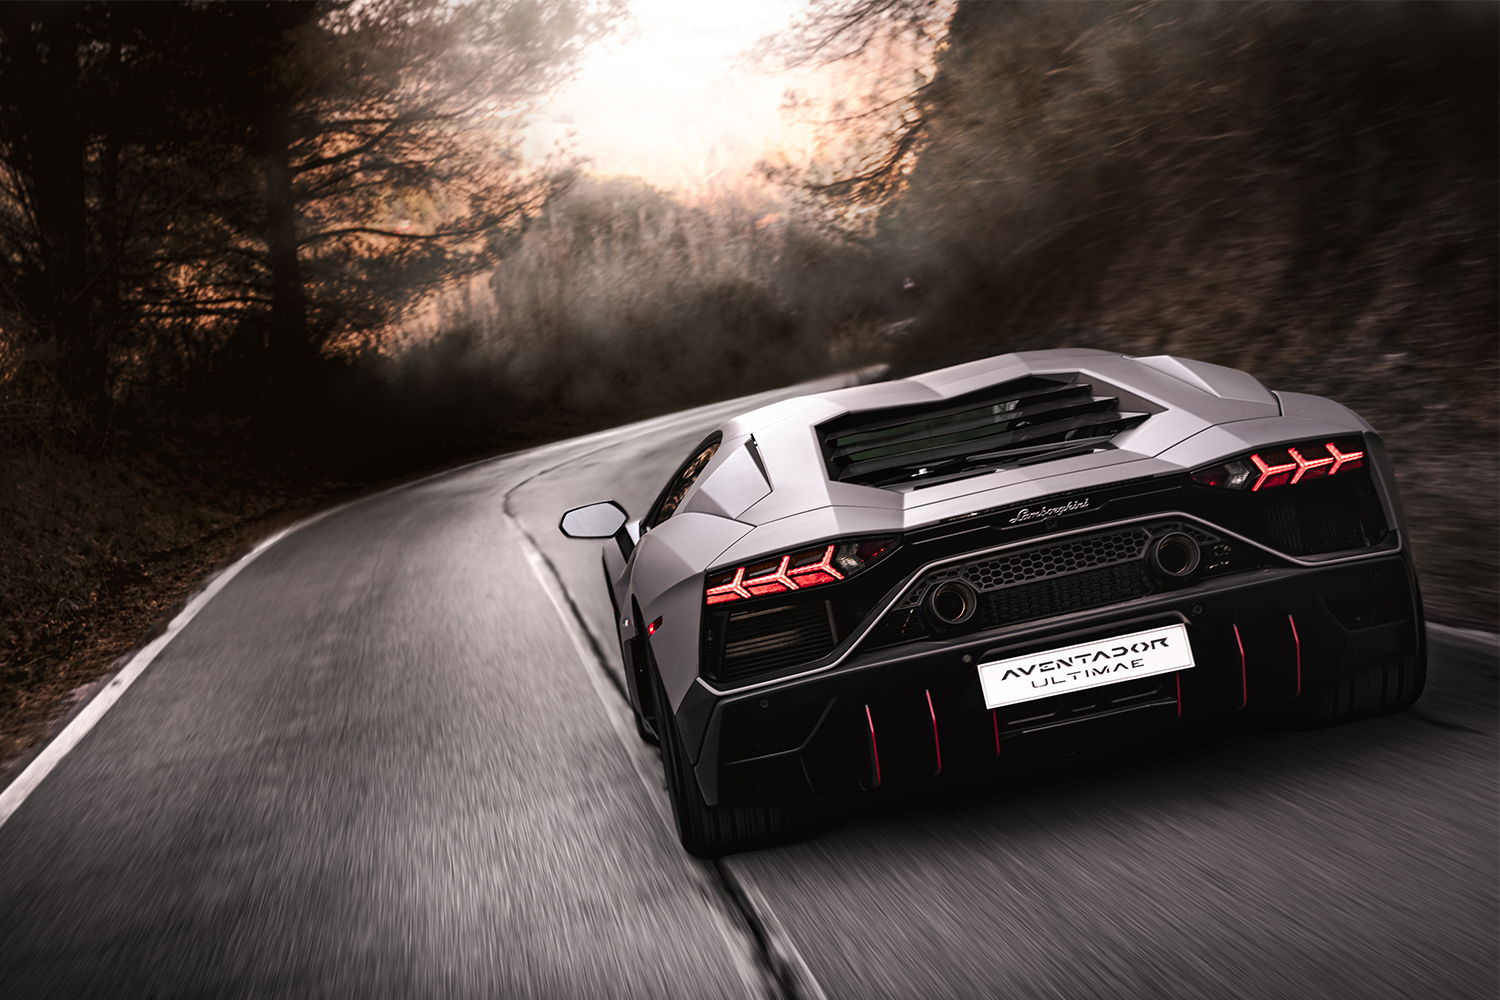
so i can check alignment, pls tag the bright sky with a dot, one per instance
(665, 100)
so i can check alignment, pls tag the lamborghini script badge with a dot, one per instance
(1032, 513)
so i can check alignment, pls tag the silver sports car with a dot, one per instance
(924, 581)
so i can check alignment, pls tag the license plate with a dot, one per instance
(1085, 665)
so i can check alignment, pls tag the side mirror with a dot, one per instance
(597, 520)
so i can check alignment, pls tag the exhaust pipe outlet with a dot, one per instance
(952, 603)
(1174, 556)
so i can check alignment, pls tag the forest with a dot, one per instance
(257, 257)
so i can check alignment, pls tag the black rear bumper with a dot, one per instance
(1265, 642)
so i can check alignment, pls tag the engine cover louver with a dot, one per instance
(1026, 420)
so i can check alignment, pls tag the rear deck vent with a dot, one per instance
(1032, 419)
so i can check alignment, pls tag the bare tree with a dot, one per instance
(294, 172)
(392, 161)
(834, 30)
(889, 35)
(43, 140)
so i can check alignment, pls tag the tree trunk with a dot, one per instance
(107, 311)
(52, 175)
(289, 342)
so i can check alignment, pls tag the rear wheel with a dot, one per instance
(707, 831)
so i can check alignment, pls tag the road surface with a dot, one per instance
(387, 759)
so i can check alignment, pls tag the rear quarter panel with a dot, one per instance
(667, 582)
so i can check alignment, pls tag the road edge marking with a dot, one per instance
(85, 718)
(602, 687)
(789, 969)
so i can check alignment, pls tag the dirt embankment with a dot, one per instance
(95, 554)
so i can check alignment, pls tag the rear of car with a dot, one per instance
(1053, 551)
(1005, 634)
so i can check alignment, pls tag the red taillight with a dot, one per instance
(1281, 467)
(828, 563)
(1278, 474)
(651, 629)
(733, 590)
(1310, 468)
(1353, 460)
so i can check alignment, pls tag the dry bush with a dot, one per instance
(620, 301)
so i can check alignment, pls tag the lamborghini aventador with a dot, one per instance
(928, 580)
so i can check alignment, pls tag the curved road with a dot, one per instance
(389, 758)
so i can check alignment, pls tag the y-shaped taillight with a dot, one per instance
(1274, 467)
(828, 562)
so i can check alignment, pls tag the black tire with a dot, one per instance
(1392, 685)
(707, 831)
(644, 731)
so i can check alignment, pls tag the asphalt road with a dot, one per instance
(385, 760)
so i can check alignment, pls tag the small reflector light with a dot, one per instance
(651, 629)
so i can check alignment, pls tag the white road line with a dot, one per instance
(619, 720)
(639, 754)
(28, 780)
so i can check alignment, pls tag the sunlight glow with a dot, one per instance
(671, 101)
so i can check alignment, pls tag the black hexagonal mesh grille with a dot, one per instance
(1054, 578)
(1054, 560)
(1070, 555)
(1056, 596)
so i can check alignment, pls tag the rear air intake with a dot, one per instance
(1032, 419)
(742, 643)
